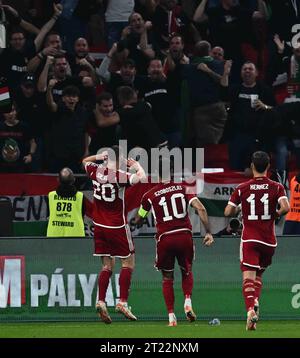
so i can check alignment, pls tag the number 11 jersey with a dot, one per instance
(258, 198)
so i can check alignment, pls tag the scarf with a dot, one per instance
(295, 75)
(205, 59)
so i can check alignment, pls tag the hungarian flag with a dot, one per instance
(5, 100)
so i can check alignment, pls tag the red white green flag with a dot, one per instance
(4, 97)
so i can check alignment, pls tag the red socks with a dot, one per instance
(249, 293)
(124, 282)
(187, 283)
(168, 292)
(103, 281)
(258, 286)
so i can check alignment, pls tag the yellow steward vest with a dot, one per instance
(65, 218)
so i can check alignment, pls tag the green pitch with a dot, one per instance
(200, 329)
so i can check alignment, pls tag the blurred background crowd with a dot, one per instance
(80, 75)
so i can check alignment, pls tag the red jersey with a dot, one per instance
(109, 192)
(169, 203)
(258, 198)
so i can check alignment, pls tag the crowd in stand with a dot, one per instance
(183, 73)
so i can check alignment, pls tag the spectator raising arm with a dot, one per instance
(199, 15)
(42, 82)
(144, 46)
(226, 73)
(27, 26)
(49, 97)
(38, 41)
(151, 5)
(262, 11)
(103, 70)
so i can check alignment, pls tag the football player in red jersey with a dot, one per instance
(169, 202)
(112, 235)
(258, 200)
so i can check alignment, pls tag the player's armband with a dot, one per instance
(142, 212)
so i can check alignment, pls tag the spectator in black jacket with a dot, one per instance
(30, 105)
(168, 18)
(81, 56)
(17, 143)
(285, 14)
(74, 19)
(126, 77)
(67, 131)
(229, 26)
(137, 123)
(248, 102)
(208, 115)
(138, 42)
(155, 90)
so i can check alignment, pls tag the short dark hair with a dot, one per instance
(85, 68)
(129, 62)
(125, 95)
(9, 107)
(260, 160)
(17, 30)
(134, 13)
(154, 59)
(104, 96)
(71, 91)
(176, 34)
(52, 33)
(202, 48)
(249, 63)
(59, 56)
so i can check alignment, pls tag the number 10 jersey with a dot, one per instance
(169, 203)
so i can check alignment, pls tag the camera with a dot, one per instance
(235, 225)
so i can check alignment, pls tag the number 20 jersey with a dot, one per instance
(169, 203)
(259, 198)
(109, 193)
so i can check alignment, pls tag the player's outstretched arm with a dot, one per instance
(202, 213)
(284, 207)
(231, 210)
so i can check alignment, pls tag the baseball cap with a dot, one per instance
(28, 80)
